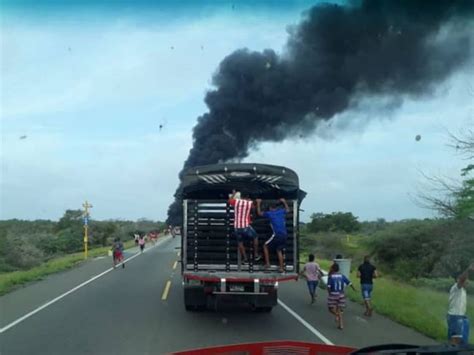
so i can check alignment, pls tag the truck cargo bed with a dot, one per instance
(209, 243)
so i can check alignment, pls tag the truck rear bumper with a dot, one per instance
(239, 277)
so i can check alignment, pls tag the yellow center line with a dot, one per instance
(166, 291)
(175, 264)
(179, 254)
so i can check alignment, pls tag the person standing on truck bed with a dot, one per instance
(242, 228)
(277, 241)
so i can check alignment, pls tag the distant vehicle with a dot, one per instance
(211, 267)
(177, 231)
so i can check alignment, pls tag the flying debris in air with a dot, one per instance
(23, 137)
(268, 65)
(202, 47)
(418, 138)
(162, 124)
(172, 47)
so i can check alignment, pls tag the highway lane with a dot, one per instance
(127, 311)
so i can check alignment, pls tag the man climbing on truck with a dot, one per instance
(242, 228)
(277, 216)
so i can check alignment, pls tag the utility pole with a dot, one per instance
(86, 206)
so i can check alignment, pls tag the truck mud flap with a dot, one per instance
(194, 297)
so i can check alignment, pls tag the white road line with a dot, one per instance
(54, 300)
(305, 323)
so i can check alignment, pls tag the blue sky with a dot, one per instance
(90, 85)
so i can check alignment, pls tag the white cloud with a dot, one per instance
(53, 69)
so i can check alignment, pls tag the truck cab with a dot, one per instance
(212, 268)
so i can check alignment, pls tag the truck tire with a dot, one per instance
(194, 298)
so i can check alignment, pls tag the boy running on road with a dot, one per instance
(117, 250)
(367, 272)
(277, 241)
(141, 243)
(336, 297)
(312, 272)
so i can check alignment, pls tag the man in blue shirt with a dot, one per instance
(337, 282)
(277, 241)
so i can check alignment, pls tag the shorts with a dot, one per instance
(276, 242)
(142, 246)
(245, 233)
(458, 327)
(118, 255)
(366, 291)
(312, 286)
(336, 300)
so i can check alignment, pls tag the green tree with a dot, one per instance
(465, 196)
(334, 222)
(448, 197)
(70, 219)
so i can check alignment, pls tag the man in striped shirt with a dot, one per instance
(242, 228)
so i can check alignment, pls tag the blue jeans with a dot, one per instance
(458, 326)
(312, 286)
(366, 291)
(245, 233)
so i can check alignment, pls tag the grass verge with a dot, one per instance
(11, 280)
(419, 308)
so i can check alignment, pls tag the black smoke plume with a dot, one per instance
(335, 57)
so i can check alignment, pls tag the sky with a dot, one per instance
(86, 86)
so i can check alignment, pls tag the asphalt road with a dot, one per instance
(128, 311)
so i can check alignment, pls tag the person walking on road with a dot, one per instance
(336, 297)
(141, 243)
(312, 272)
(367, 272)
(242, 227)
(117, 252)
(458, 323)
(277, 241)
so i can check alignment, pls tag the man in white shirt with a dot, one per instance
(458, 323)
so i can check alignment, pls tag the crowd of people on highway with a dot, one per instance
(336, 283)
(141, 239)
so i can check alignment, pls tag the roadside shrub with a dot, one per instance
(21, 254)
(415, 249)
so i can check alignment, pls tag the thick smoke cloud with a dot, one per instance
(335, 57)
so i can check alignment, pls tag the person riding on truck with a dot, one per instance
(277, 241)
(242, 228)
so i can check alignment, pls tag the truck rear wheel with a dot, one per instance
(194, 298)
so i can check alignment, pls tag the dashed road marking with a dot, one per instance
(166, 290)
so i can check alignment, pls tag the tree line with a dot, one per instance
(25, 244)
